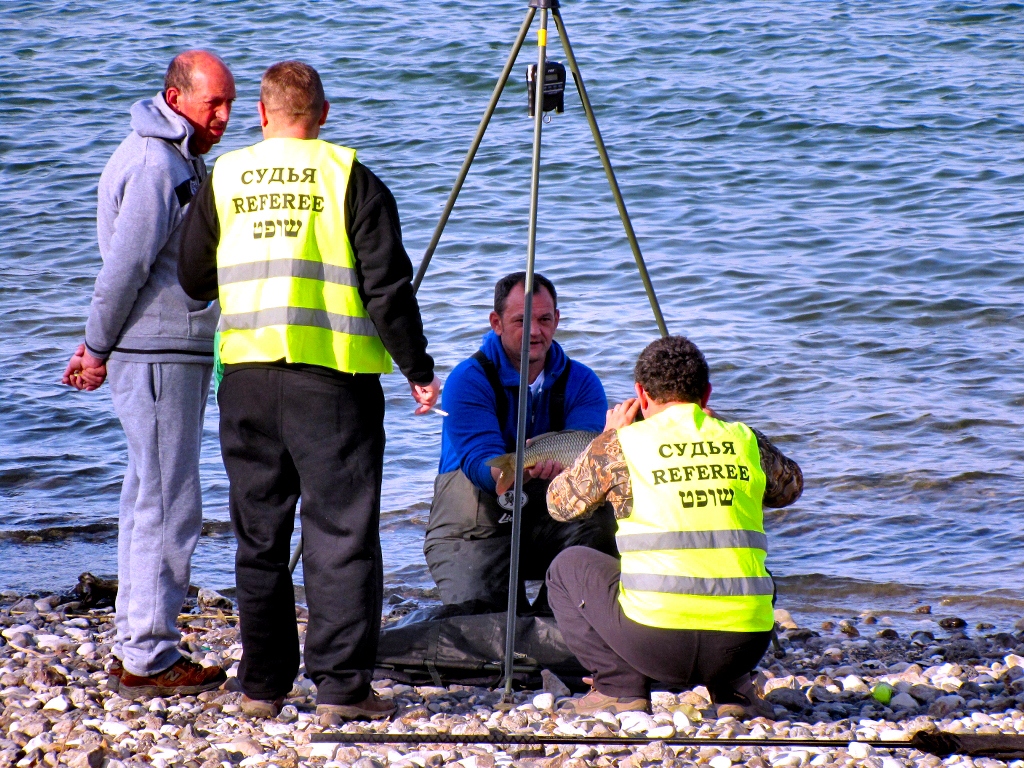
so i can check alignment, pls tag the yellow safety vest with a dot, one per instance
(285, 266)
(694, 547)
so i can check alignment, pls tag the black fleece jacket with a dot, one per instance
(382, 266)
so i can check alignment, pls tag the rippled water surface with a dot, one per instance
(829, 196)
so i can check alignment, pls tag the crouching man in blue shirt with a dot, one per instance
(470, 529)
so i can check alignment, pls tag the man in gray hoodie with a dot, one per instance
(155, 344)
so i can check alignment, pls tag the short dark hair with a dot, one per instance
(672, 369)
(504, 287)
(292, 87)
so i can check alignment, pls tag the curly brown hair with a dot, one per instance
(672, 369)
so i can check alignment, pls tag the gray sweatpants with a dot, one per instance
(161, 408)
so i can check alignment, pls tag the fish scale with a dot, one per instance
(563, 447)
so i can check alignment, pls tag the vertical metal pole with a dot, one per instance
(523, 30)
(603, 152)
(524, 363)
(454, 194)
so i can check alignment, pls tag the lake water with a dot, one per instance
(830, 197)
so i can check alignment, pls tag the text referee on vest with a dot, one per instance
(690, 603)
(302, 246)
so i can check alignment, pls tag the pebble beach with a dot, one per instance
(829, 682)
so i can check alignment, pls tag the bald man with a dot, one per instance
(156, 346)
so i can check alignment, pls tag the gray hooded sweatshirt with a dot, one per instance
(139, 311)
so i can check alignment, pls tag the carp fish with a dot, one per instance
(564, 447)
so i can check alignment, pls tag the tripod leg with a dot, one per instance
(524, 364)
(603, 152)
(457, 187)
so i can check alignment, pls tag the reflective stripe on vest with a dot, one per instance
(694, 547)
(285, 267)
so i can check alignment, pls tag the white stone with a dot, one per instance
(721, 761)
(52, 642)
(681, 721)
(860, 751)
(254, 760)
(21, 629)
(544, 701)
(86, 648)
(1013, 660)
(779, 682)
(114, 728)
(662, 699)
(326, 751)
(57, 704)
(662, 732)
(821, 759)
(903, 701)
(784, 619)
(854, 683)
(894, 734)
(891, 762)
(42, 741)
(609, 719)
(47, 604)
(635, 722)
(565, 728)
(790, 759)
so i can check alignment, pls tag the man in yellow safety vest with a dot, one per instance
(302, 245)
(690, 602)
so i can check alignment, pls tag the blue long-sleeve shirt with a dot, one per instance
(471, 434)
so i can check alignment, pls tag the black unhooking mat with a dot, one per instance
(432, 647)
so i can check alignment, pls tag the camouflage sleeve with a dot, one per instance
(597, 476)
(784, 482)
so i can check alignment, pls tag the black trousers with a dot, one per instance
(626, 657)
(288, 434)
(469, 539)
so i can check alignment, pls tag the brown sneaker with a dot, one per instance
(373, 707)
(261, 707)
(184, 677)
(743, 701)
(595, 702)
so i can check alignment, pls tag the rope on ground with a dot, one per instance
(496, 737)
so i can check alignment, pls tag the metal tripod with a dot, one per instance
(545, 6)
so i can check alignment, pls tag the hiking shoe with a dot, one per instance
(595, 702)
(373, 707)
(184, 678)
(743, 701)
(261, 707)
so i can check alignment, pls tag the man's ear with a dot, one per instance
(495, 319)
(642, 396)
(172, 96)
(707, 396)
(323, 115)
(263, 114)
(558, 316)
